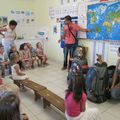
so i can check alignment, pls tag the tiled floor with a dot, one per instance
(54, 79)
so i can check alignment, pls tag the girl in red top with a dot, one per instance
(75, 102)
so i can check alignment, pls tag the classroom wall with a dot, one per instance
(53, 49)
(41, 8)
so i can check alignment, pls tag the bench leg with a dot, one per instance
(45, 103)
(37, 96)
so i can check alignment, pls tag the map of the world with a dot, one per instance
(104, 21)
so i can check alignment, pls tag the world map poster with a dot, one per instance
(104, 21)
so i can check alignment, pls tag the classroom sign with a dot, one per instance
(104, 21)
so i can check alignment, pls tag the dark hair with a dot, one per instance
(13, 22)
(119, 49)
(37, 44)
(22, 46)
(9, 106)
(78, 87)
(68, 17)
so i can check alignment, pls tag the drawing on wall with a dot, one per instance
(26, 21)
(104, 21)
(82, 18)
(55, 30)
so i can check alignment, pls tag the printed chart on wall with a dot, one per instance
(82, 18)
(104, 21)
(26, 22)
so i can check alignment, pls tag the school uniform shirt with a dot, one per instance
(69, 38)
(72, 107)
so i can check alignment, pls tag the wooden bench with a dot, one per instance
(51, 98)
(32, 85)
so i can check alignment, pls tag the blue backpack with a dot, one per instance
(62, 44)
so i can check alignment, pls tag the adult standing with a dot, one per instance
(70, 31)
(9, 35)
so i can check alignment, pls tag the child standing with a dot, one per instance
(75, 102)
(17, 75)
(40, 53)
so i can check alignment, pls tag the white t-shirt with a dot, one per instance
(15, 76)
(9, 34)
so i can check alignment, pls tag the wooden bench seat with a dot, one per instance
(51, 98)
(34, 86)
(30, 84)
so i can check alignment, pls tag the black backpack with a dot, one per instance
(96, 83)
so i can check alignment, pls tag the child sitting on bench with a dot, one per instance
(13, 49)
(27, 59)
(4, 61)
(40, 53)
(33, 55)
(17, 75)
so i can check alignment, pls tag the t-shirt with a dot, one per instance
(10, 34)
(33, 52)
(72, 107)
(40, 51)
(69, 38)
(3, 57)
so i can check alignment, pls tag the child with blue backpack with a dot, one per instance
(75, 100)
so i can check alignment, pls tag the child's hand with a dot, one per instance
(25, 117)
(59, 41)
(70, 59)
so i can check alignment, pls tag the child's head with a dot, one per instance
(12, 24)
(38, 45)
(13, 49)
(22, 46)
(1, 49)
(14, 58)
(9, 106)
(118, 53)
(26, 47)
(29, 45)
(78, 87)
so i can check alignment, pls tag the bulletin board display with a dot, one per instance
(26, 20)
